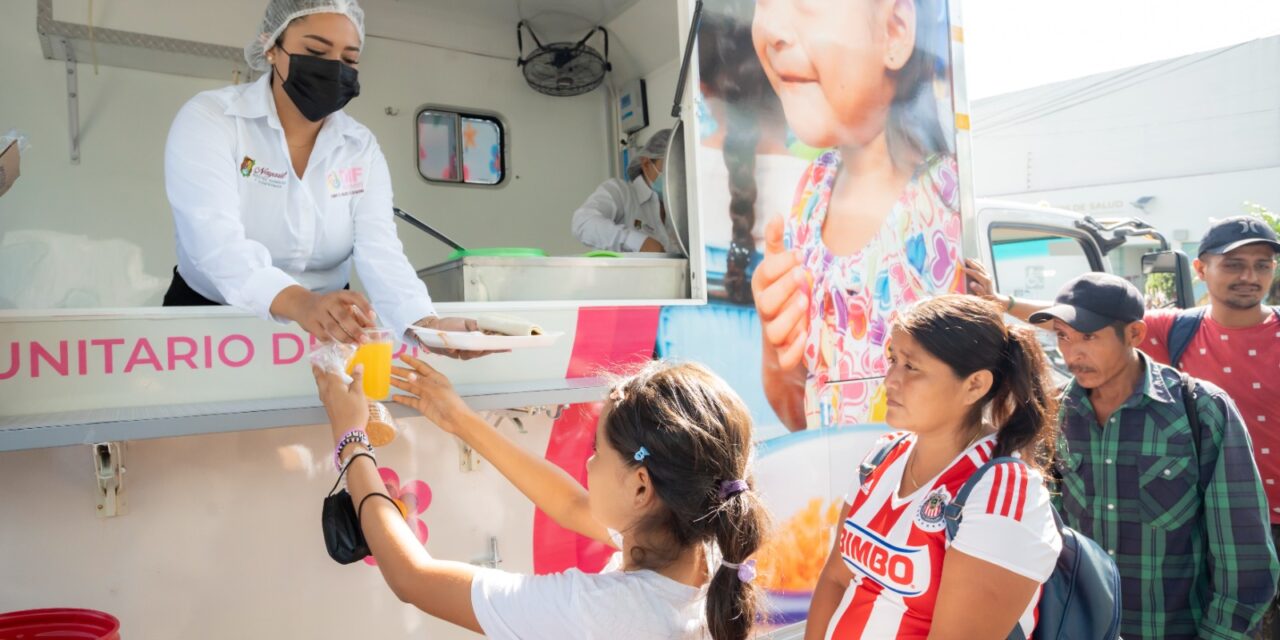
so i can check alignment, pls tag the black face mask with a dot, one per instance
(342, 535)
(319, 87)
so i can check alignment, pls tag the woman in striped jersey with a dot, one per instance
(962, 388)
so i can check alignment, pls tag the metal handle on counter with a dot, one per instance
(425, 228)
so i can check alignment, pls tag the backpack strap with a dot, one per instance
(954, 511)
(869, 467)
(1184, 328)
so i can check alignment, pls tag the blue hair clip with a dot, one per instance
(641, 454)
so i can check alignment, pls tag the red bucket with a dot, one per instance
(59, 624)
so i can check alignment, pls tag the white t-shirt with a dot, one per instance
(895, 547)
(610, 605)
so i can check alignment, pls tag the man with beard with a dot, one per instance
(1235, 343)
(1157, 468)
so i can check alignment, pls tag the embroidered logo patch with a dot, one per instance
(266, 177)
(930, 516)
(246, 166)
(345, 182)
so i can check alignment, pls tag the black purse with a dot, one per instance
(343, 538)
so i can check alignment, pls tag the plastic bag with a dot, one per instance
(11, 135)
(333, 357)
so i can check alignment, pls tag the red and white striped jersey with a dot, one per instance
(895, 546)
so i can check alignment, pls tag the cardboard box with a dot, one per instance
(8, 166)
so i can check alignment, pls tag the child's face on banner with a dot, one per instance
(832, 61)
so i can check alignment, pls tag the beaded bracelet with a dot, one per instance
(366, 453)
(352, 436)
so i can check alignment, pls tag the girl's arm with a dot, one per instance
(550, 488)
(440, 588)
(783, 305)
(783, 388)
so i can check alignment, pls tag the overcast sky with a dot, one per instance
(1016, 44)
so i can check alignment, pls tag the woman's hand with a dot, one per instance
(780, 288)
(340, 316)
(430, 392)
(347, 406)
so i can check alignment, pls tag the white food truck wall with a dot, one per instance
(652, 52)
(222, 536)
(417, 53)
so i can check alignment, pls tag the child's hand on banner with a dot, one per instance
(781, 289)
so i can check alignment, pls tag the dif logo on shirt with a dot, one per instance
(345, 182)
(904, 571)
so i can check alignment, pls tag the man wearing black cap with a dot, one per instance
(1234, 342)
(1183, 516)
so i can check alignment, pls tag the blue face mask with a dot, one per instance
(659, 184)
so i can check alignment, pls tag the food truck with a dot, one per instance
(167, 465)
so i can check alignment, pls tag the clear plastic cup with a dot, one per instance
(382, 427)
(375, 355)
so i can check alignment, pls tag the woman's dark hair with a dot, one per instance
(970, 335)
(730, 71)
(698, 435)
(914, 131)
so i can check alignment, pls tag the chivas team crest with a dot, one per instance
(930, 516)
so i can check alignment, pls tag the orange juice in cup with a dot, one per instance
(375, 355)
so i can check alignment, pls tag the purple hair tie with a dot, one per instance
(746, 570)
(730, 488)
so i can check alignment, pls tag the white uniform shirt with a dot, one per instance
(248, 226)
(620, 215)
(610, 605)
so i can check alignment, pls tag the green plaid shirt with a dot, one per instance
(1192, 544)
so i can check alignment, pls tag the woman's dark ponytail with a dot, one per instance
(1024, 404)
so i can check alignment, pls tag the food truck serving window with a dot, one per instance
(461, 148)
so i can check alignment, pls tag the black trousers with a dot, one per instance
(180, 294)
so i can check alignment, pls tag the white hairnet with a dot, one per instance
(281, 12)
(654, 149)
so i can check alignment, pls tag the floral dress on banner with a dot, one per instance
(854, 299)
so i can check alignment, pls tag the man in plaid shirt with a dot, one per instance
(1187, 525)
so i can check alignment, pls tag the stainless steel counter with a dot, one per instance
(491, 279)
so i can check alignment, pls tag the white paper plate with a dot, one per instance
(479, 341)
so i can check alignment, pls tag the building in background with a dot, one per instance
(1174, 142)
